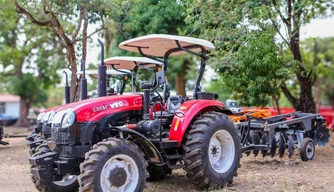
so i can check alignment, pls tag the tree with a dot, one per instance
(255, 74)
(138, 18)
(60, 17)
(30, 57)
(229, 24)
(318, 56)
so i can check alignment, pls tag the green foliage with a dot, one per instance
(7, 15)
(219, 86)
(249, 43)
(255, 73)
(138, 18)
(30, 57)
(28, 87)
(318, 55)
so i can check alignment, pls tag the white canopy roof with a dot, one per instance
(94, 72)
(159, 44)
(128, 62)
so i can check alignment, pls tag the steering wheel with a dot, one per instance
(155, 96)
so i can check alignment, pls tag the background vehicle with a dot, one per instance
(8, 120)
(111, 143)
(233, 105)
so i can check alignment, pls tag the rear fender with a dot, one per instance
(187, 113)
(151, 152)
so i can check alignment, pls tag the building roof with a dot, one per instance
(6, 98)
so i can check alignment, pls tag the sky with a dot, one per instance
(318, 28)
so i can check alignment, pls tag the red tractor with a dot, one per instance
(113, 143)
(42, 131)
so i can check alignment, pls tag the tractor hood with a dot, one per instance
(91, 110)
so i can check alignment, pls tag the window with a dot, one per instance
(2, 108)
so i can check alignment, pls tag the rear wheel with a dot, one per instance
(113, 165)
(211, 151)
(67, 183)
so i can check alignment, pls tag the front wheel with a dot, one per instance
(211, 151)
(67, 183)
(113, 165)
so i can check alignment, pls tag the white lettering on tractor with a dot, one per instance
(116, 104)
(100, 108)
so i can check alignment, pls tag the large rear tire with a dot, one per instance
(67, 184)
(113, 165)
(211, 151)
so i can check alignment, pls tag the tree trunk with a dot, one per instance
(305, 102)
(275, 101)
(180, 85)
(24, 110)
(70, 54)
(331, 100)
(317, 91)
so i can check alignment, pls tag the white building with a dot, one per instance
(10, 105)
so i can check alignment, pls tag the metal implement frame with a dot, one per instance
(299, 125)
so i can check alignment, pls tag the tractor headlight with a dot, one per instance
(68, 119)
(40, 116)
(45, 117)
(51, 116)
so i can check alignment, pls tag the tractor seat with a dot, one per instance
(207, 95)
(174, 103)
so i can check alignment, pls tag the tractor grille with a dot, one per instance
(63, 137)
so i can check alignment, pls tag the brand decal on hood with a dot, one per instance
(105, 107)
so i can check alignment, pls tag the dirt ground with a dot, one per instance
(255, 174)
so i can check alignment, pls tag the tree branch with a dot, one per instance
(279, 12)
(44, 7)
(98, 30)
(61, 40)
(273, 22)
(84, 33)
(289, 11)
(59, 28)
(20, 9)
(74, 36)
(288, 95)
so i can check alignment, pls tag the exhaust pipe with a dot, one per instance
(83, 94)
(67, 89)
(102, 84)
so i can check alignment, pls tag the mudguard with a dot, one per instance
(186, 114)
(151, 152)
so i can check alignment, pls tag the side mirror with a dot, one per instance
(160, 76)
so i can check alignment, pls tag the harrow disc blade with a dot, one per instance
(256, 140)
(273, 147)
(291, 146)
(281, 146)
(264, 142)
(322, 136)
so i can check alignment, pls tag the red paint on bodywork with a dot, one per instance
(190, 109)
(86, 110)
